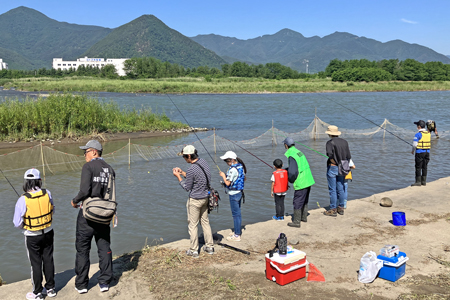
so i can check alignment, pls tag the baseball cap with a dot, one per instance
(420, 123)
(32, 174)
(189, 149)
(94, 144)
(229, 155)
(289, 141)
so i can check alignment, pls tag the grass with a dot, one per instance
(218, 85)
(67, 115)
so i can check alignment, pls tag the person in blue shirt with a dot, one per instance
(421, 149)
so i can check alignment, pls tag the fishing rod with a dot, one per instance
(233, 248)
(367, 119)
(194, 133)
(9, 183)
(249, 153)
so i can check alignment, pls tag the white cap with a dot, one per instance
(32, 174)
(189, 149)
(228, 155)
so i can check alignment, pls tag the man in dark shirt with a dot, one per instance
(196, 183)
(94, 183)
(337, 151)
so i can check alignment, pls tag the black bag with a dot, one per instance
(213, 195)
(343, 165)
(102, 210)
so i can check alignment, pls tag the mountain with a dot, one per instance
(148, 36)
(448, 56)
(291, 48)
(30, 40)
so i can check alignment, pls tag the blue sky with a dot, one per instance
(421, 22)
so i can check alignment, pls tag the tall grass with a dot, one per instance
(219, 85)
(67, 115)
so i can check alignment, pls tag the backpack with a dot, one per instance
(102, 210)
(213, 195)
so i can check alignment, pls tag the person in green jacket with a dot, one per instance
(300, 175)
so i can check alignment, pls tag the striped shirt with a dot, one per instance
(195, 182)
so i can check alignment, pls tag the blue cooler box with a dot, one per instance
(393, 267)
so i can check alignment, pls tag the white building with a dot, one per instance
(3, 65)
(59, 63)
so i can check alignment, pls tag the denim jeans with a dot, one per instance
(335, 187)
(235, 204)
(345, 192)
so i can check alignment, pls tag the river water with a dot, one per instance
(152, 204)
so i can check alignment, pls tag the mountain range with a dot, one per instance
(30, 40)
(292, 49)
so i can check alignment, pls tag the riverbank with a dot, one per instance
(333, 245)
(232, 85)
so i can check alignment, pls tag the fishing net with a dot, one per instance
(52, 161)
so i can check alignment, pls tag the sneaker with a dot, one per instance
(234, 238)
(209, 250)
(331, 212)
(275, 218)
(340, 210)
(103, 287)
(81, 291)
(280, 219)
(50, 292)
(32, 296)
(194, 254)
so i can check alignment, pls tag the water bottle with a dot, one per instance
(282, 244)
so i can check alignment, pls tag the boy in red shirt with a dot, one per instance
(279, 188)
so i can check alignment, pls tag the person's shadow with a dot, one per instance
(122, 264)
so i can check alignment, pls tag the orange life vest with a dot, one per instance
(281, 181)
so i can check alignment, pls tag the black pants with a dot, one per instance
(422, 160)
(279, 205)
(40, 253)
(101, 232)
(301, 197)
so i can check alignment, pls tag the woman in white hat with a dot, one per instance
(234, 181)
(34, 214)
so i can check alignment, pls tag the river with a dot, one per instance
(152, 204)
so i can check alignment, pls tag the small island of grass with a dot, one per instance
(72, 116)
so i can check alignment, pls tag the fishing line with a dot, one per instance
(249, 152)
(304, 146)
(9, 183)
(367, 119)
(193, 131)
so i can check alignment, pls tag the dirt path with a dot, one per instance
(333, 245)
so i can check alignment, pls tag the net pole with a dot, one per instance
(273, 134)
(43, 164)
(315, 122)
(214, 140)
(129, 153)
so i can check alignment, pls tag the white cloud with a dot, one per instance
(408, 21)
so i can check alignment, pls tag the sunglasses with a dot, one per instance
(86, 152)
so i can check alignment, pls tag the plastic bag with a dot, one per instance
(369, 267)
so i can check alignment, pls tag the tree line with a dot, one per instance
(347, 70)
(149, 67)
(386, 70)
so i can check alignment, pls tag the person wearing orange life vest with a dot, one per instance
(34, 214)
(421, 149)
(279, 188)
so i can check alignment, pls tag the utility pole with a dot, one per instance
(305, 61)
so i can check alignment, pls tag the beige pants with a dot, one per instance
(197, 210)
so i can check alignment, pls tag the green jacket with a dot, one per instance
(304, 178)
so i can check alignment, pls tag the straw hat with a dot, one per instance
(333, 130)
